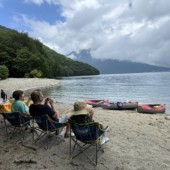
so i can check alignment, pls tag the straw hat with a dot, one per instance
(81, 107)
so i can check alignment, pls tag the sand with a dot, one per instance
(11, 84)
(137, 142)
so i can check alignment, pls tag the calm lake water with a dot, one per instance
(141, 87)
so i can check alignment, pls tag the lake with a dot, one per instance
(150, 88)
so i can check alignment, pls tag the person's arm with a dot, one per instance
(51, 102)
(91, 113)
(25, 109)
(28, 101)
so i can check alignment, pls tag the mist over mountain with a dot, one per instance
(115, 66)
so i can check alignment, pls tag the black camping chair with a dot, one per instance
(87, 134)
(46, 126)
(17, 123)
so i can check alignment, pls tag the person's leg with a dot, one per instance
(67, 133)
(64, 119)
(69, 115)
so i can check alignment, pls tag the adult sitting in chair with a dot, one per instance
(39, 108)
(87, 132)
(82, 108)
(18, 105)
(86, 114)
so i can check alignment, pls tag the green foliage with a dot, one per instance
(27, 75)
(36, 73)
(22, 54)
(4, 72)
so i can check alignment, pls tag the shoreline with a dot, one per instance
(11, 84)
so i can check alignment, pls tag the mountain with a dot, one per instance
(115, 66)
(24, 57)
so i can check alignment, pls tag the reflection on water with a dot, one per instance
(141, 87)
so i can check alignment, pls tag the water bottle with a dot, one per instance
(3, 96)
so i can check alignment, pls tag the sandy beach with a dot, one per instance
(11, 84)
(137, 141)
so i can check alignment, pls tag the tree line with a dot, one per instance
(27, 57)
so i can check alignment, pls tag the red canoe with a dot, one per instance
(151, 108)
(96, 103)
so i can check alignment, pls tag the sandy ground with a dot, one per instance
(137, 142)
(11, 84)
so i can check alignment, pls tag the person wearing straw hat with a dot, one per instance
(82, 108)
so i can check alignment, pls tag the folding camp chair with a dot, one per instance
(46, 126)
(87, 134)
(17, 122)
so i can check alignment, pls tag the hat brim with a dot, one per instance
(84, 111)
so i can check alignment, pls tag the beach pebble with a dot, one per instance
(167, 117)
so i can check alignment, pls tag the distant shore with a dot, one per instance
(11, 84)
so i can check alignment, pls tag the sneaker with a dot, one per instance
(104, 140)
(72, 134)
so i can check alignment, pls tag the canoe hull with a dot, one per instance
(120, 106)
(151, 108)
(96, 103)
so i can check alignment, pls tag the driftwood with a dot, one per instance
(25, 161)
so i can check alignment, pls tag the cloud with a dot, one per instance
(39, 2)
(136, 30)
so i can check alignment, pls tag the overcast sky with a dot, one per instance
(135, 30)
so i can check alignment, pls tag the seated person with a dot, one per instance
(39, 108)
(82, 108)
(18, 105)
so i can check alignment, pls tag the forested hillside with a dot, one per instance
(22, 54)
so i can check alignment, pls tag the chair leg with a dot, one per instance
(70, 144)
(96, 153)
(82, 150)
(5, 126)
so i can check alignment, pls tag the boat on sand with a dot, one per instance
(128, 105)
(151, 108)
(96, 103)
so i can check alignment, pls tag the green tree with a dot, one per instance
(4, 72)
(36, 73)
